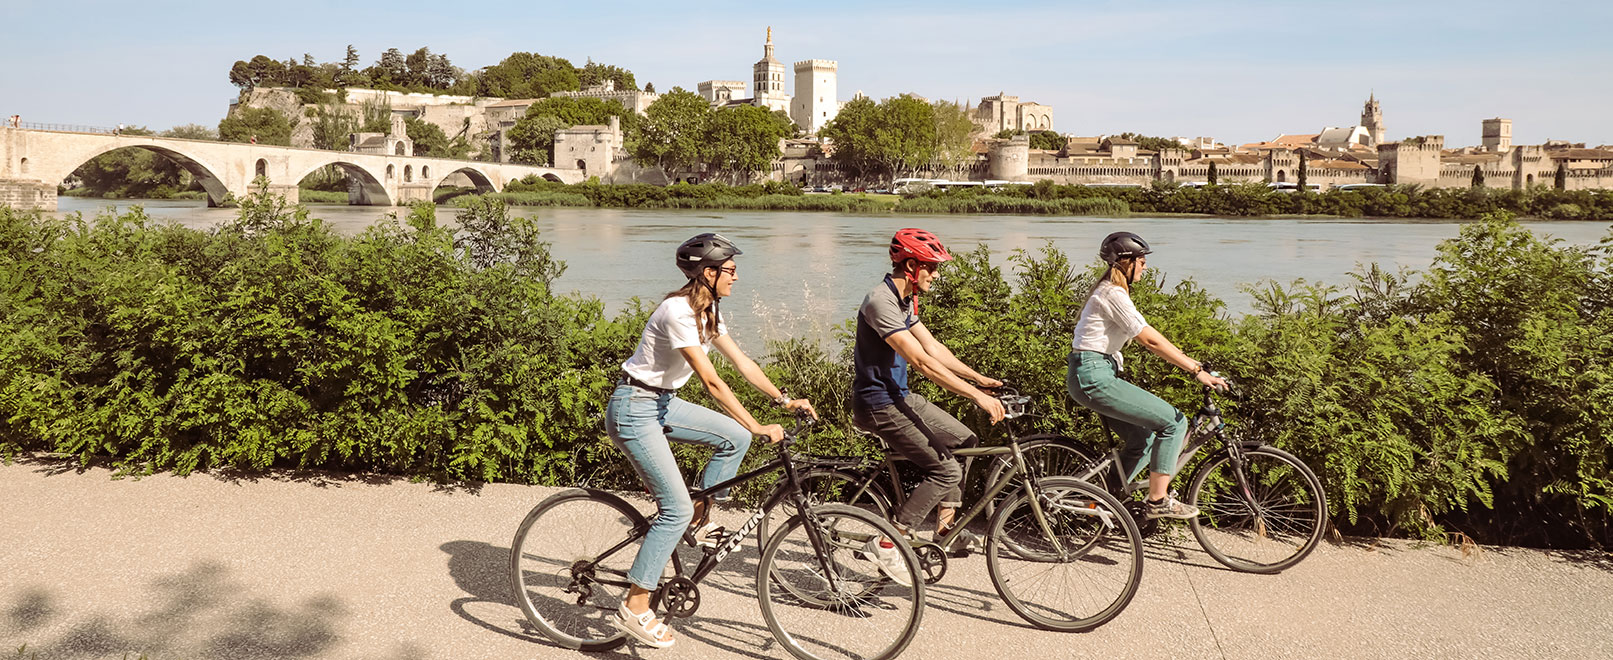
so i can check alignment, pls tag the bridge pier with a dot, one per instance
(414, 192)
(23, 194)
(290, 192)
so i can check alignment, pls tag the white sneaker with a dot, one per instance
(883, 552)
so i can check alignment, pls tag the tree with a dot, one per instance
(1047, 140)
(332, 127)
(1478, 177)
(594, 74)
(1004, 134)
(527, 76)
(391, 71)
(744, 139)
(649, 88)
(906, 137)
(674, 131)
(260, 71)
(430, 140)
(954, 134)
(133, 173)
(1212, 174)
(1560, 180)
(268, 125)
(851, 132)
(531, 140)
(1151, 142)
(191, 132)
(1304, 171)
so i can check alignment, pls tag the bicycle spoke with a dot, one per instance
(1275, 527)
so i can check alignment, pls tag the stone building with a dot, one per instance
(394, 142)
(722, 92)
(1372, 118)
(767, 80)
(1496, 134)
(815, 89)
(1003, 112)
(592, 149)
(632, 99)
(500, 118)
(457, 116)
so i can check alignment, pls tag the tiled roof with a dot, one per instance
(1581, 154)
(1296, 139)
(1336, 165)
(513, 102)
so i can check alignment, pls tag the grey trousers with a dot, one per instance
(925, 435)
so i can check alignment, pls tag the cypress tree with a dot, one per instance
(1478, 177)
(1560, 181)
(1212, 173)
(1303, 167)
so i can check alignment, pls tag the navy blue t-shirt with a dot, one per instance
(881, 372)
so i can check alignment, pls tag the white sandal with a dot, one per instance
(638, 626)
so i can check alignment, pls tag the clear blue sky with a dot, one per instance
(1237, 71)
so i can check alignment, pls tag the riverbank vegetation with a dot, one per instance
(1255, 199)
(1476, 397)
(768, 196)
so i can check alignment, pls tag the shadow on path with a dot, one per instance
(201, 612)
(59, 464)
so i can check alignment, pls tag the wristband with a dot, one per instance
(783, 397)
(1198, 368)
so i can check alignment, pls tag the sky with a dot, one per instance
(1238, 71)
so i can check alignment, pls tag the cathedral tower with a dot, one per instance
(768, 79)
(1372, 119)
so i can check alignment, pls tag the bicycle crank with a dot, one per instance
(932, 561)
(679, 597)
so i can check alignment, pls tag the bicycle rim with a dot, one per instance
(556, 539)
(1080, 577)
(821, 487)
(852, 611)
(1272, 530)
(1045, 457)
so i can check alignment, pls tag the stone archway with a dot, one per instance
(363, 189)
(261, 168)
(551, 176)
(217, 192)
(1282, 177)
(480, 180)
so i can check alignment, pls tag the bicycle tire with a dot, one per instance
(1098, 548)
(566, 528)
(1286, 492)
(847, 610)
(1052, 455)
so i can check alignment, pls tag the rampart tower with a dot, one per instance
(768, 79)
(1010, 159)
(1372, 118)
(814, 103)
(1411, 161)
(1497, 135)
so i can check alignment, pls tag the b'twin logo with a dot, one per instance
(740, 536)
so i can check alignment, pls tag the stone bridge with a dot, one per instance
(33, 162)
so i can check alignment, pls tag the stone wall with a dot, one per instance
(27, 194)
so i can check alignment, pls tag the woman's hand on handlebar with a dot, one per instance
(1212, 381)
(773, 432)
(801, 406)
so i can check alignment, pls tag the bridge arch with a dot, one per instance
(217, 191)
(478, 178)
(369, 189)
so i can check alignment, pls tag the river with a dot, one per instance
(805, 272)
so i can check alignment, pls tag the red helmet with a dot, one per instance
(918, 244)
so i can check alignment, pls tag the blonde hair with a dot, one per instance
(700, 300)
(1114, 276)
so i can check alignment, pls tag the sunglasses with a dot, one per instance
(731, 270)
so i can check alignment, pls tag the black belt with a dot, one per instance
(629, 380)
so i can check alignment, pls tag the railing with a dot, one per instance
(63, 128)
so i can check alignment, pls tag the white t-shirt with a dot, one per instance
(1108, 321)
(657, 362)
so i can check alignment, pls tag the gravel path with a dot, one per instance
(320, 566)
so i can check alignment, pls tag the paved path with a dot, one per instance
(315, 566)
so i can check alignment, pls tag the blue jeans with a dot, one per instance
(1149, 427)
(640, 422)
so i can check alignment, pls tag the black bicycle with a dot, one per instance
(1261, 509)
(824, 596)
(1062, 553)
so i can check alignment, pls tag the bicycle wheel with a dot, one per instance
(1045, 456)
(851, 609)
(553, 573)
(824, 486)
(1080, 576)
(1275, 527)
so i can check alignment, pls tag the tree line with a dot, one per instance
(520, 75)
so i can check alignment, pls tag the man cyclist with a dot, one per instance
(890, 338)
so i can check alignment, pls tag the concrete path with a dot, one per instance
(320, 566)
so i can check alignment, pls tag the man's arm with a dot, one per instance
(933, 368)
(944, 355)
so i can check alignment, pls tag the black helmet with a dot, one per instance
(707, 250)
(1122, 245)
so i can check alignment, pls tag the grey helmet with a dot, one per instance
(707, 250)
(1122, 245)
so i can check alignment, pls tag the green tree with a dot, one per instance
(333, 127)
(531, 140)
(268, 125)
(649, 88)
(430, 140)
(954, 134)
(1005, 134)
(191, 132)
(1150, 142)
(528, 76)
(675, 131)
(594, 74)
(1304, 173)
(1560, 180)
(852, 132)
(905, 139)
(1212, 176)
(260, 71)
(390, 71)
(1048, 140)
(745, 139)
(1478, 177)
(349, 68)
(132, 172)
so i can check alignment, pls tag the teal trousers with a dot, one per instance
(1147, 426)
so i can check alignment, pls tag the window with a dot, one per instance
(262, 168)
(408, 173)
(389, 171)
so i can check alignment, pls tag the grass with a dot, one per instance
(311, 196)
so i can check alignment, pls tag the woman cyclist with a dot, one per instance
(1149, 427)
(644, 413)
